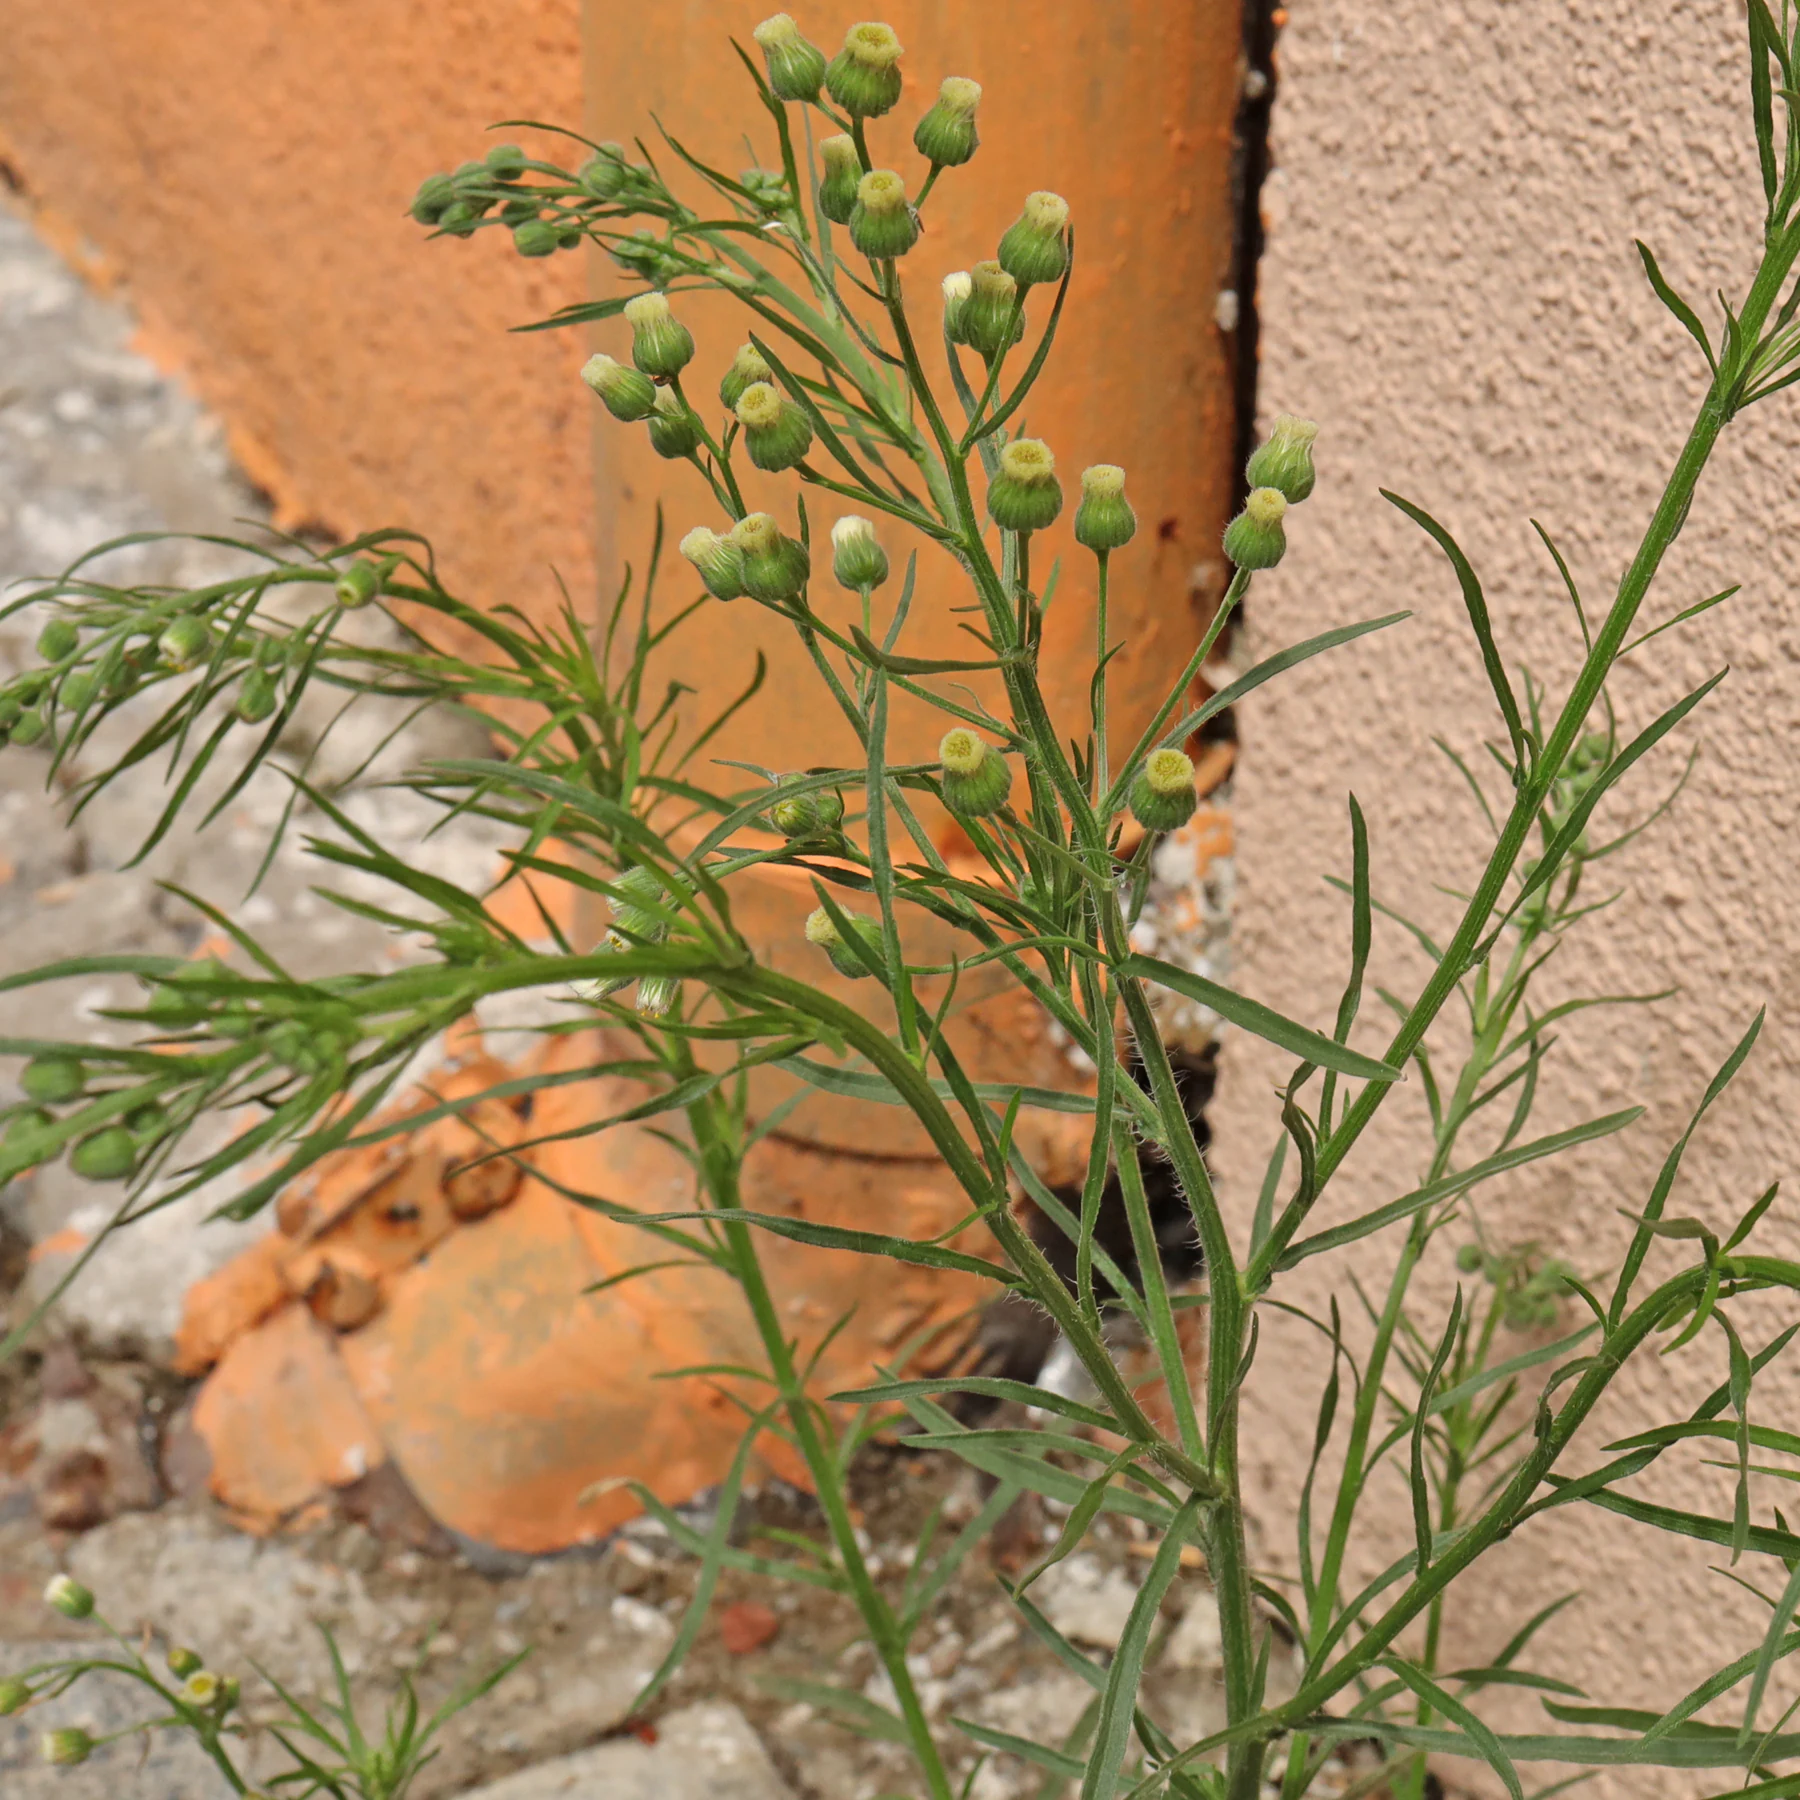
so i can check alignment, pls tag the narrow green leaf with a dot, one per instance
(836, 1237)
(1768, 1655)
(1119, 1698)
(1678, 306)
(859, 1712)
(1476, 604)
(1492, 1751)
(1259, 1020)
(992, 1387)
(1069, 1768)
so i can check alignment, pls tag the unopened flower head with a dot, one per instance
(777, 433)
(605, 173)
(67, 1596)
(183, 1662)
(719, 561)
(14, 1696)
(186, 643)
(627, 394)
(988, 323)
(674, 428)
(66, 1748)
(957, 286)
(822, 932)
(864, 77)
(974, 778)
(1162, 796)
(747, 366)
(796, 67)
(843, 171)
(775, 567)
(809, 815)
(660, 344)
(858, 560)
(1035, 247)
(947, 135)
(1104, 520)
(883, 224)
(201, 1688)
(1025, 494)
(656, 995)
(1285, 461)
(1255, 539)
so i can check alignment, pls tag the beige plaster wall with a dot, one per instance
(1450, 288)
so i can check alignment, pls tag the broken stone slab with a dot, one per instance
(705, 1752)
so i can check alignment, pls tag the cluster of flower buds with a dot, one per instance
(639, 918)
(973, 776)
(111, 1151)
(1280, 473)
(457, 203)
(822, 931)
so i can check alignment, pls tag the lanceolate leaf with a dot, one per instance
(1259, 1020)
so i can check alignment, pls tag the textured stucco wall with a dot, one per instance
(1450, 288)
(245, 166)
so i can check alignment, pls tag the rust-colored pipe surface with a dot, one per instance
(1126, 109)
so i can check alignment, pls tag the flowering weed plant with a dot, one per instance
(603, 783)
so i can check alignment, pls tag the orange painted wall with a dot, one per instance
(245, 165)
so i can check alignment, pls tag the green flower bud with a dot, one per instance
(358, 585)
(256, 697)
(109, 1154)
(1104, 520)
(883, 223)
(1285, 461)
(985, 320)
(569, 233)
(516, 212)
(605, 174)
(77, 690)
(435, 194)
(639, 902)
(864, 77)
(975, 777)
(10, 709)
(506, 162)
(1036, 248)
(1025, 495)
(656, 994)
(58, 639)
(947, 133)
(822, 931)
(857, 558)
(718, 560)
(747, 368)
(182, 1663)
(660, 344)
(458, 219)
(767, 188)
(777, 433)
(186, 644)
(14, 1695)
(67, 1747)
(1468, 1258)
(28, 1137)
(957, 288)
(536, 237)
(627, 394)
(1162, 796)
(837, 186)
(775, 567)
(812, 815)
(54, 1080)
(796, 67)
(1255, 538)
(27, 728)
(674, 430)
(67, 1596)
